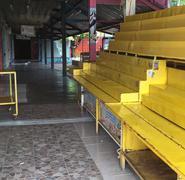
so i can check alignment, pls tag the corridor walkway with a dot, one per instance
(44, 94)
(53, 139)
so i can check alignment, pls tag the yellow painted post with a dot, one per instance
(16, 97)
(123, 145)
(10, 86)
(97, 115)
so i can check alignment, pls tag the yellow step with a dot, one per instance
(166, 49)
(166, 109)
(169, 93)
(123, 59)
(124, 79)
(94, 90)
(176, 78)
(154, 23)
(130, 26)
(176, 10)
(132, 70)
(166, 149)
(112, 88)
(129, 81)
(176, 133)
(166, 34)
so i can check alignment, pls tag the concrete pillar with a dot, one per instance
(52, 53)
(1, 52)
(40, 50)
(45, 51)
(92, 30)
(12, 48)
(64, 57)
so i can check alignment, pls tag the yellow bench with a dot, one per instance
(159, 123)
(145, 117)
(166, 34)
(151, 24)
(162, 36)
(177, 10)
(164, 49)
(120, 79)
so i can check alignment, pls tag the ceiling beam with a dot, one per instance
(109, 2)
(149, 4)
(74, 27)
(72, 8)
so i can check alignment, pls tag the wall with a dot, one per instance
(57, 50)
(34, 49)
(6, 42)
(1, 52)
(83, 46)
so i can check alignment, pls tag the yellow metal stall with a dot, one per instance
(12, 98)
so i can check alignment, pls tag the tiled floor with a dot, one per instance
(43, 94)
(44, 152)
(59, 141)
(103, 151)
(61, 151)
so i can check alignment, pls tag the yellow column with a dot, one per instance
(10, 86)
(16, 97)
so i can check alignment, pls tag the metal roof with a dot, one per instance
(45, 15)
(108, 18)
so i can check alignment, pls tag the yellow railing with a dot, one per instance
(12, 98)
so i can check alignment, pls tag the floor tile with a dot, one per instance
(46, 152)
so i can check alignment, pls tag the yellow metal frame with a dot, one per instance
(12, 99)
(157, 35)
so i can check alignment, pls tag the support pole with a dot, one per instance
(52, 53)
(40, 50)
(64, 59)
(45, 51)
(92, 30)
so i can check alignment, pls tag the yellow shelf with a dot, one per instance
(148, 166)
(10, 100)
(169, 151)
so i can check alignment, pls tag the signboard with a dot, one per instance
(28, 30)
(110, 122)
(90, 102)
(21, 37)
